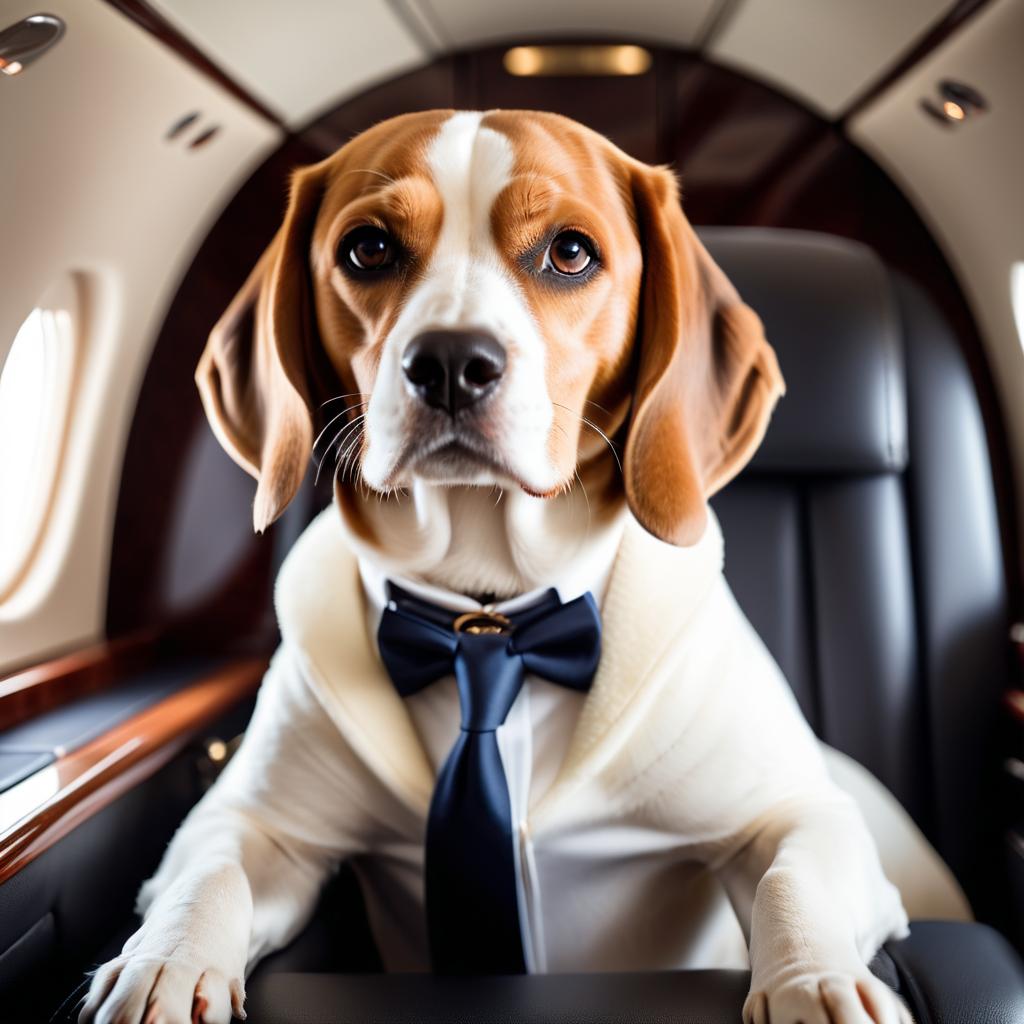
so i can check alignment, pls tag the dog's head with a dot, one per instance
(500, 298)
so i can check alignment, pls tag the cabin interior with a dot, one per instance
(855, 169)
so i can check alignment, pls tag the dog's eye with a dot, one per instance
(368, 248)
(570, 253)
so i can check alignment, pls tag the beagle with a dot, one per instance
(504, 339)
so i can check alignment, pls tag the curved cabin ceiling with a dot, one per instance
(300, 56)
(305, 55)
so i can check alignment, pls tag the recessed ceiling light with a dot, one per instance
(27, 40)
(585, 60)
(954, 104)
(967, 98)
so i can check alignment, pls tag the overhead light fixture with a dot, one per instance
(585, 60)
(954, 103)
(27, 40)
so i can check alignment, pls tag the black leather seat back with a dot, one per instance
(863, 541)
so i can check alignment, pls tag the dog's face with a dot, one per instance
(495, 299)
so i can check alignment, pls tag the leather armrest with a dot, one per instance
(955, 973)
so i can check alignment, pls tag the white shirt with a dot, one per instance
(534, 738)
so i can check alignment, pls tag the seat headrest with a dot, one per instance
(829, 313)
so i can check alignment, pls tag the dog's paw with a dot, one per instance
(186, 964)
(823, 997)
(144, 990)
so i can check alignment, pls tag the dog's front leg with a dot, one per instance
(242, 874)
(224, 894)
(815, 905)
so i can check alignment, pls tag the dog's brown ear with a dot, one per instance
(254, 375)
(707, 380)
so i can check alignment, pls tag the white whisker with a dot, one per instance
(333, 419)
(336, 440)
(597, 430)
(351, 394)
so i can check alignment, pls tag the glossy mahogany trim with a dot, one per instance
(87, 780)
(1015, 704)
(32, 691)
(157, 25)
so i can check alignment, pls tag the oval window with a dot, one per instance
(35, 393)
(1017, 296)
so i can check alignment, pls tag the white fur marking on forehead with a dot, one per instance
(470, 166)
(467, 284)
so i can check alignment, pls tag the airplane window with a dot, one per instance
(1017, 296)
(35, 389)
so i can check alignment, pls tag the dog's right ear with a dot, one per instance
(254, 375)
(707, 379)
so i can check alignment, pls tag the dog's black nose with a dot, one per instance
(451, 370)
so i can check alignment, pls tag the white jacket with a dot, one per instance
(688, 749)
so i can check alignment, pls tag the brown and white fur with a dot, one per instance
(643, 383)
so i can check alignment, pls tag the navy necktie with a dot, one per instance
(472, 906)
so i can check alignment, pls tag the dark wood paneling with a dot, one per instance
(1015, 705)
(168, 427)
(624, 108)
(432, 87)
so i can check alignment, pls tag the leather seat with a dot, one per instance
(863, 540)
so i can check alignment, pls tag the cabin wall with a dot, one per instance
(94, 188)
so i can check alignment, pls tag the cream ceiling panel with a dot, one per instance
(825, 52)
(966, 179)
(462, 23)
(91, 186)
(300, 56)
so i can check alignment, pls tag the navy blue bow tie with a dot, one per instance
(471, 894)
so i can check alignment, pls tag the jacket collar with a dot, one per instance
(320, 608)
(653, 591)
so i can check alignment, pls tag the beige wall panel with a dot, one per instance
(824, 52)
(299, 56)
(966, 180)
(89, 184)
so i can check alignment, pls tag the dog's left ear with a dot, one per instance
(706, 378)
(256, 373)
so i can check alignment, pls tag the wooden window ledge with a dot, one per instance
(36, 812)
